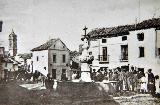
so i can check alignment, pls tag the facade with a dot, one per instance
(10, 67)
(52, 57)
(135, 46)
(26, 61)
(13, 44)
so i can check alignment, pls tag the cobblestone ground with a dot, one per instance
(139, 99)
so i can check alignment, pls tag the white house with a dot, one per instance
(52, 57)
(136, 45)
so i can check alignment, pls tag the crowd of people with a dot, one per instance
(129, 80)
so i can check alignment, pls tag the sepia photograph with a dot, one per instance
(79, 52)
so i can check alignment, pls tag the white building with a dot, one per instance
(52, 57)
(134, 45)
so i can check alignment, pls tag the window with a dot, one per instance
(104, 56)
(104, 40)
(140, 36)
(158, 51)
(124, 52)
(37, 58)
(63, 76)
(54, 58)
(141, 51)
(54, 73)
(124, 38)
(64, 58)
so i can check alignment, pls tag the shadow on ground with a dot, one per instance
(13, 94)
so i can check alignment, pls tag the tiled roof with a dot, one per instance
(45, 46)
(25, 55)
(124, 30)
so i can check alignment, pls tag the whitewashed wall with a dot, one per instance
(113, 49)
(59, 49)
(149, 61)
(113, 45)
(9, 66)
(43, 61)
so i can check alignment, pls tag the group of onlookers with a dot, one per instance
(129, 80)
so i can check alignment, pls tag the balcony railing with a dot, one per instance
(124, 58)
(103, 58)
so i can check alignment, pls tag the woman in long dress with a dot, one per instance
(143, 84)
(157, 84)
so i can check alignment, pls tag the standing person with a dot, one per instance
(43, 80)
(127, 78)
(119, 85)
(110, 74)
(131, 79)
(139, 76)
(105, 72)
(47, 81)
(157, 84)
(100, 76)
(151, 82)
(143, 84)
(115, 76)
(93, 76)
(74, 75)
(135, 81)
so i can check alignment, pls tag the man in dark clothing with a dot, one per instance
(100, 76)
(110, 74)
(151, 82)
(94, 74)
(119, 85)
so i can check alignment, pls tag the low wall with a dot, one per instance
(84, 89)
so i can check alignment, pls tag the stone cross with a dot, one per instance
(85, 31)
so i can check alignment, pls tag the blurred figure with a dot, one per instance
(110, 74)
(74, 75)
(93, 75)
(139, 76)
(157, 84)
(115, 76)
(119, 85)
(143, 84)
(151, 82)
(100, 76)
(135, 81)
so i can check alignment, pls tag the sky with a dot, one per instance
(37, 21)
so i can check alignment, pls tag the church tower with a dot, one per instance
(13, 44)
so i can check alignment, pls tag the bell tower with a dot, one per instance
(13, 44)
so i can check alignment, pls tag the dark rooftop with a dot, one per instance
(45, 46)
(124, 29)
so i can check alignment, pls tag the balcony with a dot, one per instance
(103, 59)
(123, 58)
